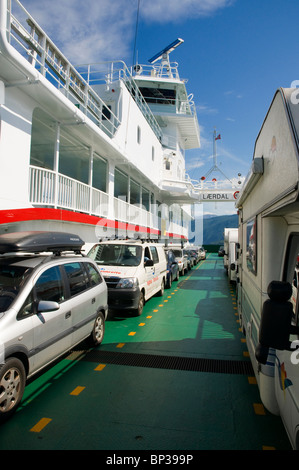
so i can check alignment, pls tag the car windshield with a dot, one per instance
(178, 253)
(12, 278)
(116, 254)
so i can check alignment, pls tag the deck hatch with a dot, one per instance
(195, 364)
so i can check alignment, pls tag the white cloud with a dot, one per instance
(177, 10)
(89, 31)
(99, 30)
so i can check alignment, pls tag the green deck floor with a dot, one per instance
(81, 404)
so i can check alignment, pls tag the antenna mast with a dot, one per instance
(215, 167)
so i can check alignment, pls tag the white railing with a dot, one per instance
(134, 214)
(113, 71)
(28, 38)
(46, 188)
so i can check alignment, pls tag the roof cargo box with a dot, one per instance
(36, 242)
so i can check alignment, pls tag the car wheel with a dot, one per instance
(161, 291)
(12, 384)
(139, 309)
(98, 331)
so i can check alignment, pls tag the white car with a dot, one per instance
(134, 271)
(182, 260)
(48, 303)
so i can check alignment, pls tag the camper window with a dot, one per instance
(291, 272)
(251, 246)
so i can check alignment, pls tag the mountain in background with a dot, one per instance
(213, 228)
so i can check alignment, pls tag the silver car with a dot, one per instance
(48, 304)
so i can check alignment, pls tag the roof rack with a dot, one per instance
(37, 242)
(130, 239)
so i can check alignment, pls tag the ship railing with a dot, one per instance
(26, 36)
(158, 70)
(50, 189)
(134, 214)
(113, 71)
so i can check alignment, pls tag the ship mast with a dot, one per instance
(215, 167)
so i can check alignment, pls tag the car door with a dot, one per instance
(149, 274)
(83, 300)
(51, 329)
(157, 274)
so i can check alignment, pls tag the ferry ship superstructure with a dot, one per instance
(95, 149)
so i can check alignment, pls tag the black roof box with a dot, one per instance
(36, 242)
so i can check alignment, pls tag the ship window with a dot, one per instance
(134, 192)
(43, 137)
(167, 165)
(120, 185)
(145, 199)
(138, 134)
(153, 153)
(158, 95)
(106, 113)
(99, 174)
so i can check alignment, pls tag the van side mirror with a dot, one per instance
(149, 262)
(275, 326)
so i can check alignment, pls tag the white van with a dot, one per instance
(133, 270)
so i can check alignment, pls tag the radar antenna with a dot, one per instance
(164, 56)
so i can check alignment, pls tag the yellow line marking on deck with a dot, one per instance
(77, 391)
(268, 448)
(156, 310)
(40, 425)
(149, 316)
(245, 353)
(259, 409)
(120, 345)
(141, 324)
(100, 367)
(132, 333)
(252, 381)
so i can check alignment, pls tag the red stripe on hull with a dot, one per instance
(44, 213)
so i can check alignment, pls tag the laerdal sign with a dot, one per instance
(224, 196)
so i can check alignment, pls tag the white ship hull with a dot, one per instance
(81, 150)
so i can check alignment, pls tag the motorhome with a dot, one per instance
(268, 208)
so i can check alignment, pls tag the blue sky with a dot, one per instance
(235, 54)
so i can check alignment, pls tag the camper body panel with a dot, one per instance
(269, 245)
(232, 254)
(230, 237)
